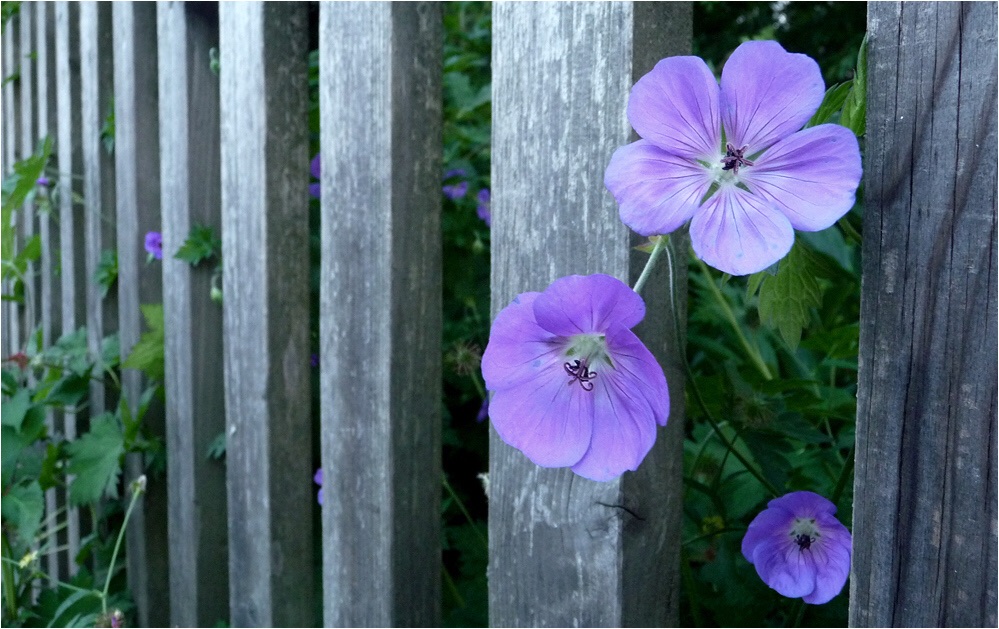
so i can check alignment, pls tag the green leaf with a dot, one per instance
(107, 271)
(68, 391)
(95, 459)
(12, 445)
(14, 409)
(201, 244)
(147, 354)
(831, 103)
(22, 507)
(787, 298)
(216, 449)
(854, 115)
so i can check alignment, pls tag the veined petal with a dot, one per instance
(657, 191)
(811, 176)
(738, 233)
(547, 418)
(519, 349)
(767, 93)
(638, 370)
(785, 568)
(804, 504)
(582, 304)
(624, 429)
(832, 560)
(769, 524)
(675, 106)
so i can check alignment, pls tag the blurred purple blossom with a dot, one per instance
(314, 360)
(456, 191)
(483, 411)
(316, 169)
(576, 332)
(43, 181)
(154, 245)
(484, 208)
(799, 548)
(317, 478)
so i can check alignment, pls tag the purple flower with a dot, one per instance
(743, 198)
(483, 210)
(799, 548)
(316, 169)
(313, 360)
(154, 245)
(456, 191)
(455, 172)
(317, 478)
(483, 411)
(572, 386)
(42, 181)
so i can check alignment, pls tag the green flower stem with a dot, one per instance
(843, 475)
(650, 263)
(752, 351)
(9, 594)
(799, 614)
(464, 511)
(453, 587)
(849, 231)
(138, 489)
(688, 584)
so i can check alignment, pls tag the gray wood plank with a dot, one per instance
(137, 197)
(191, 192)
(71, 233)
(96, 91)
(26, 218)
(924, 528)
(12, 151)
(380, 312)
(265, 173)
(564, 550)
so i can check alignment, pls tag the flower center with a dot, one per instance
(583, 351)
(734, 158)
(804, 532)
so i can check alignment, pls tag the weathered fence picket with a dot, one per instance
(925, 500)
(137, 196)
(566, 551)
(191, 194)
(265, 220)
(380, 313)
(69, 159)
(233, 541)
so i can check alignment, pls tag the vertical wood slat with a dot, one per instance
(191, 193)
(96, 90)
(137, 196)
(562, 550)
(265, 165)
(189, 148)
(12, 152)
(380, 321)
(71, 216)
(924, 529)
(26, 218)
(49, 296)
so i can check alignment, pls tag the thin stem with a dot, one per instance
(752, 351)
(849, 231)
(650, 263)
(468, 516)
(688, 584)
(10, 595)
(453, 587)
(799, 614)
(137, 490)
(843, 475)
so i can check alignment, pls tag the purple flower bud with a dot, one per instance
(316, 169)
(314, 360)
(455, 172)
(456, 191)
(154, 244)
(42, 181)
(483, 411)
(317, 478)
(484, 208)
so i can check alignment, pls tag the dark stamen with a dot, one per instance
(734, 158)
(580, 373)
(804, 541)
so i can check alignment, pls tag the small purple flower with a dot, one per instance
(743, 198)
(572, 386)
(455, 172)
(313, 360)
(799, 548)
(483, 411)
(317, 478)
(154, 245)
(483, 209)
(42, 181)
(456, 191)
(316, 169)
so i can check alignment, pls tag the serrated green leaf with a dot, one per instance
(68, 391)
(201, 244)
(832, 102)
(95, 460)
(12, 445)
(787, 298)
(22, 507)
(147, 354)
(107, 271)
(14, 409)
(854, 115)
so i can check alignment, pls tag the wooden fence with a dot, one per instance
(231, 151)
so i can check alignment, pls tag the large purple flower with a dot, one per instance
(799, 548)
(731, 159)
(572, 386)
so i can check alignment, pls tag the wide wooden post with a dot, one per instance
(265, 220)
(924, 528)
(191, 194)
(380, 313)
(96, 103)
(138, 212)
(564, 550)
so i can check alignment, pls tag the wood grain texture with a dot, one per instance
(10, 154)
(96, 91)
(137, 196)
(564, 550)
(71, 215)
(924, 525)
(265, 175)
(27, 218)
(191, 193)
(380, 312)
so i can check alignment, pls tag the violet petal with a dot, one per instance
(518, 349)
(580, 304)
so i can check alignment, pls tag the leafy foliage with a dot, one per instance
(147, 354)
(107, 271)
(202, 244)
